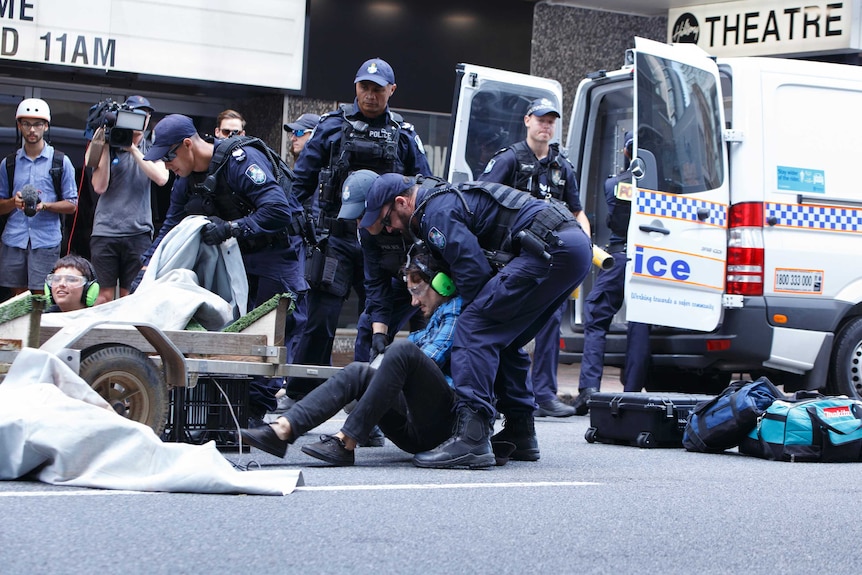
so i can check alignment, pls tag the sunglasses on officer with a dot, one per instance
(171, 154)
(228, 133)
(300, 133)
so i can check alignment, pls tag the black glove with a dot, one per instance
(216, 231)
(379, 341)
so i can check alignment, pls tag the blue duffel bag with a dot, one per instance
(723, 422)
(827, 429)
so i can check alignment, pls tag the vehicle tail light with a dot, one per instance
(745, 249)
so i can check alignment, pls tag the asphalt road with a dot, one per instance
(583, 508)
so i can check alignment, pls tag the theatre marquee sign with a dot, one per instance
(769, 27)
(259, 43)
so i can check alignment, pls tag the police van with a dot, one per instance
(746, 219)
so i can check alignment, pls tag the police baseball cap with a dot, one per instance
(172, 130)
(135, 102)
(542, 107)
(384, 189)
(377, 71)
(353, 194)
(304, 122)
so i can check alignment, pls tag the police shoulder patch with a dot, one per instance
(489, 166)
(256, 174)
(238, 154)
(436, 238)
(419, 143)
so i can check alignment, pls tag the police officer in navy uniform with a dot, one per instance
(607, 295)
(515, 259)
(249, 203)
(365, 134)
(538, 166)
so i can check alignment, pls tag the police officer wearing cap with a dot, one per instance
(123, 219)
(606, 298)
(248, 203)
(538, 166)
(299, 132)
(515, 259)
(362, 135)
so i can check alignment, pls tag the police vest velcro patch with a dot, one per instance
(256, 174)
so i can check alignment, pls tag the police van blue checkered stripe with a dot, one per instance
(826, 218)
(680, 207)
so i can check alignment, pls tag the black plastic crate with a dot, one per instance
(204, 413)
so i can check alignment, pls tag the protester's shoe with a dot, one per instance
(265, 439)
(519, 429)
(331, 450)
(255, 422)
(554, 408)
(469, 446)
(375, 438)
(580, 403)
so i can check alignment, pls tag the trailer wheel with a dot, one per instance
(130, 382)
(845, 377)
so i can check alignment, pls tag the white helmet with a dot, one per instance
(34, 108)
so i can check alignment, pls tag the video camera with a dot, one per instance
(119, 121)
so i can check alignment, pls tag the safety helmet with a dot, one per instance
(34, 108)
(353, 193)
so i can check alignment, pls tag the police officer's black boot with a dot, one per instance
(470, 446)
(518, 429)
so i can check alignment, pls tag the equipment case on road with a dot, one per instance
(653, 419)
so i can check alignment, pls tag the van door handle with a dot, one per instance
(664, 231)
(702, 213)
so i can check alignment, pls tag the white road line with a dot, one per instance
(73, 493)
(418, 487)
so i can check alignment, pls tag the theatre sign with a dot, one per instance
(769, 27)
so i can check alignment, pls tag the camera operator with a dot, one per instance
(123, 221)
(40, 182)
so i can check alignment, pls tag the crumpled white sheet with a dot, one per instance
(168, 303)
(55, 428)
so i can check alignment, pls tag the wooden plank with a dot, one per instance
(188, 342)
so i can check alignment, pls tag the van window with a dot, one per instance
(679, 123)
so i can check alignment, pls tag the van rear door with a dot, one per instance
(677, 240)
(488, 114)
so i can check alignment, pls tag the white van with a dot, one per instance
(746, 231)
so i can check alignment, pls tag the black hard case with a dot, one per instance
(654, 419)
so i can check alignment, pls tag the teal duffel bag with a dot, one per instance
(827, 429)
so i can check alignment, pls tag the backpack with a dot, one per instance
(56, 172)
(827, 429)
(724, 421)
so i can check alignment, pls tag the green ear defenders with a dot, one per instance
(90, 292)
(440, 282)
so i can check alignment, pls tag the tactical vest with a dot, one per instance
(618, 217)
(529, 169)
(360, 147)
(393, 251)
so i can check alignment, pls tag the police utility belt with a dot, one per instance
(537, 237)
(335, 227)
(279, 239)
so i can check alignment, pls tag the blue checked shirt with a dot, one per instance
(435, 340)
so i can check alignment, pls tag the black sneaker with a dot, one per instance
(331, 450)
(265, 439)
(581, 406)
(554, 408)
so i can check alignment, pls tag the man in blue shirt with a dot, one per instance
(31, 239)
(408, 394)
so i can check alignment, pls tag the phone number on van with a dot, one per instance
(799, 281)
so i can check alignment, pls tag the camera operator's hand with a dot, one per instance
(379, 341)
(216, 231)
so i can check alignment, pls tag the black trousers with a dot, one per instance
(407, 396)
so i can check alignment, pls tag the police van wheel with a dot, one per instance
(127, 379)
(845, 377)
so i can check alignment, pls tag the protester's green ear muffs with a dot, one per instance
(88, 295)
(443, 284)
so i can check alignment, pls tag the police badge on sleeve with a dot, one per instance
(256, 174)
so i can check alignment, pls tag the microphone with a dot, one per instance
(30, 195)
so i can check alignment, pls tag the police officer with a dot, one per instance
(365, 134)
(537, 166)
(606, 298)
(515, 259)
(246, 201)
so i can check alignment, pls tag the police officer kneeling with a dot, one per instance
(515, 259)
